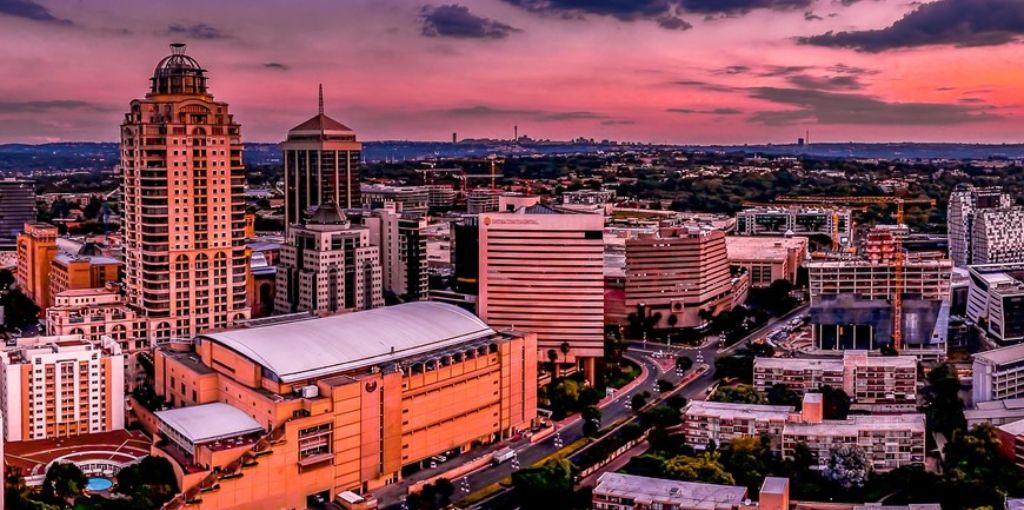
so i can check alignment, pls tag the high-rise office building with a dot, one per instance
(321, 165)
(36, 248)
(328, 266)
(403, 248)
(965, 202)
(681, 275)
(997, 236)
(184, 216)
(17, 206)
(542, 271)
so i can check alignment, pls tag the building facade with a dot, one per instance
(965, 202)
(873, 383)
(71, 272)
(322, 159)
(795, 220)
(995, 300)
(328, 266)
(402, 242)
(766, 260)
(619, 491)
(998, 374)
(541, 270)
(184, 214)
(414, 200)
(353, 402)
(998, 236)
(36, 249)
(61, 386)
(681, 274)
(17, 207)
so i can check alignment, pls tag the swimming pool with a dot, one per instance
(98, 484)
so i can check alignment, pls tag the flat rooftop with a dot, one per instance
(1002, 355)
(763, 248)
(33, 457)
(859, 423)
(318, 347)
(209, 422)
(730, 410)
(645, 490)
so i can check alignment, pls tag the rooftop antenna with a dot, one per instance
(321, 105)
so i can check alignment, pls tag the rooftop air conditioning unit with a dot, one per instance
(311, 391)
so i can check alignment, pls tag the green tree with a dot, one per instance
(749, 460)
(706, 467)
(743, 394)
(943, 405)
(433, 496)
(835, 403)
(64, 481)
(19, 310)
(639, 401)
(684, 363)
(149, 483)
(780, 395)
(591, 421)
(664, 385)
(847, 466)
(547, 486)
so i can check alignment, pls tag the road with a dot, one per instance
(642, 352)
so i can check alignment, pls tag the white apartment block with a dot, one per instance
(873, 383)
(705, 421)
(61, 386)
(998, 374)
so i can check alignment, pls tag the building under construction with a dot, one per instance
(852, 299)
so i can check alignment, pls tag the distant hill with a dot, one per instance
(103, 156)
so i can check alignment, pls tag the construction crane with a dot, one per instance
(900, 258)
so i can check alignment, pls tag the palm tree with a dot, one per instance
(565, 352)
(553, 360)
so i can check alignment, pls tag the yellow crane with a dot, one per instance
(900, 257)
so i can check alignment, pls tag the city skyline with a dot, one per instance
(679, 71)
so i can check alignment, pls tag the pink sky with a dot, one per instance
(413, 70)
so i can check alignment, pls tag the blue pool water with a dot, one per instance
(98, 484)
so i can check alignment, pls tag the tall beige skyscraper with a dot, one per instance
(321, 166)
(182, 177)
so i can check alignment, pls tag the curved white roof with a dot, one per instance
(209, 422)
(329, 345)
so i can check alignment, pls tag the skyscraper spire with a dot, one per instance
(321, 110)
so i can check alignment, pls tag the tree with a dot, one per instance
(780, 395)
(684, 363)
(19, 310)
(433, 496)
(672, 320)
(743, 394)
(553, 364)
(750, 458)
(564, 347)
(149, 483)
(662, 417)
(677, 402)
(944, 407)
(547, 486)
(6, 279)
(591, 421)
(835, 403)
(639, 401)
(847, 466)
(665, 385)
(64, 481)
(706, 467)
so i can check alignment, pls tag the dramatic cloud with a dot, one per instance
(703, 85)
(841, 82)
(665, 12)
(484, 111)
(735, 69)
(714, 111)
(47, 106)
(944, 22)
(29, 10)
(731, 7)
(822, 107)
(197, 31)
(673, 23)
(276, 66)
(456, 21)
(810, 16)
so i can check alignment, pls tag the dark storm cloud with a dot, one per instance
(48, 106)
(276, 66)
(28, 9)
(197, 31)
(834, 108)
(673, 23)
(944, 22)
(714, 111)
(731, 7)
(456, 21)
(810, 16)
(840, 82)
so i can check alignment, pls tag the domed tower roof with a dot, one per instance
(328, 214)
(179, 73)
(321, 127)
